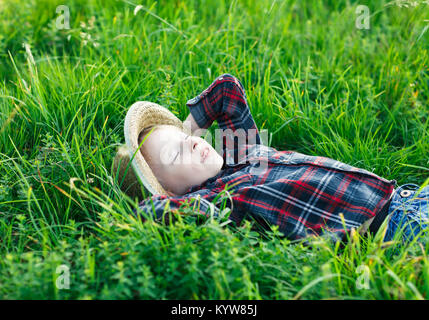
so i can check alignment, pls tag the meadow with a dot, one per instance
(315, 81)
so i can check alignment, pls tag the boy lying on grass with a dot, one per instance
(303, 195)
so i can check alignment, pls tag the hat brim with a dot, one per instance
(124, 173)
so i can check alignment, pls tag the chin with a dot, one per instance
(215, 162)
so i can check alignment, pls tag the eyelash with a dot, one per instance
(179, 151)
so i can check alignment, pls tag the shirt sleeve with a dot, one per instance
(161, 206)
(225, 101)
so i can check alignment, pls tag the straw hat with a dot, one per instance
(141, 115)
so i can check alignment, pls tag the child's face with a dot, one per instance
(177, 159)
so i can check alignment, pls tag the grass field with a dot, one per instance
(316, 82)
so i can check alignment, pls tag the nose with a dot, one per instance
(191, 144)
(195, 146)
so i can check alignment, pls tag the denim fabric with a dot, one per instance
(408, 214)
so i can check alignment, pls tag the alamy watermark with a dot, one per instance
(63, 20)
(63, 280)
(362, 20)
(362, 282)
(241, 144)
(363, 12)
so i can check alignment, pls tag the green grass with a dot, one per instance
(359, 96)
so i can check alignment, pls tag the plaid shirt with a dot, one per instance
(302, 194)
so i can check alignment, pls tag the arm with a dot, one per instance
(192, 123)
(225, 101)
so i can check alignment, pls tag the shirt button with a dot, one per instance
(405, 193)
(192, 101)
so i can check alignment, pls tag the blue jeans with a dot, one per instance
(408, 214)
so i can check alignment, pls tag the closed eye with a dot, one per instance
(179, 151)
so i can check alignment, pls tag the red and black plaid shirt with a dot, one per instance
(302, 194)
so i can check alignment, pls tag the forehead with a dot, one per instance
(167, 132)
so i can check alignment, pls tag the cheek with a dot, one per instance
(191, 162)
(190, 172)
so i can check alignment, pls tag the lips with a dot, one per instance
(204, 154)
